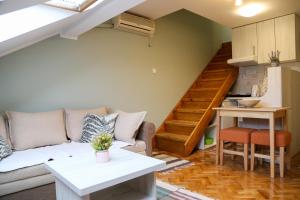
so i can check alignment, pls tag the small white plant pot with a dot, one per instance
(102, 156)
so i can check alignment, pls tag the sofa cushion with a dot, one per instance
(5, 149)
(94, 125)
(23, 173)
(74, 121)
(29, 130)
(127, 125)
(24, 184)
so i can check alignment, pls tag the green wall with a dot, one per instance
(110, 67)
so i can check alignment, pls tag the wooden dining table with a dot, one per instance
(271, 114)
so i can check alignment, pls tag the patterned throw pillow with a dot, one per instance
(95, 124)
(5, 149)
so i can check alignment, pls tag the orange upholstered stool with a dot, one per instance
(262, 137)
(237, 135)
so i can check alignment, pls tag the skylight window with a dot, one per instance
(75, 5)
(28, 19)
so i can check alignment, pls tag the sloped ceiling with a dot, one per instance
(221, 11)
(23, 24)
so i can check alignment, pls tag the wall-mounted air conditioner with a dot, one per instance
(136, 24)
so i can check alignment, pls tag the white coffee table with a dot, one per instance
(126, 176)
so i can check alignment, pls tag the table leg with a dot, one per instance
(63, 192)
(272, 145)
(234, 145)
(235, 121)
(218, 126)
(285, 122)
(285, 127)
(147, 185)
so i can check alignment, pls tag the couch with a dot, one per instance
(30, 182)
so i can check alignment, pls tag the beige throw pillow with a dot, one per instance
(74, 121)
(29, 130)
(127, 125)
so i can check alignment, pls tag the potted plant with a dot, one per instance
(274, 58)
(101, 144)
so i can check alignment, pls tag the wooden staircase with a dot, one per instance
(185, 125)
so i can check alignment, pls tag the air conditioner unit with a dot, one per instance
(136, 24)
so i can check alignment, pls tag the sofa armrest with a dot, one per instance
(146, 133)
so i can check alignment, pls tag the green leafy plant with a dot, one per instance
(102, 142)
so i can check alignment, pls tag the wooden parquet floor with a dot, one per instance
(232, 182)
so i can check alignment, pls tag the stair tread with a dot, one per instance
(203, 89)
(198, 99)
(209, 80)
(172, 136)
(182, 123)
(191, 110)
(220, 63)
(212, 79)
(217, 70)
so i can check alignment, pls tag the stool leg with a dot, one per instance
(252, 156)
(221, 152)
(234, 148)
(287, 158)
(261, 160)
(246, 157)
(281, 164)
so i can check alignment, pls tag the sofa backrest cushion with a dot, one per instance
(3, 130)
(74, 121)
(29, 130)
(127, 125)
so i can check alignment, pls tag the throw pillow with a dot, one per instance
(127, 125)
(74, 121)
(94, 125)
(5, 149)
(30, 130)
(3, 131)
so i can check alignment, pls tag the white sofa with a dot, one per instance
(18, 182)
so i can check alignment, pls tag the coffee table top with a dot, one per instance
(84, 176)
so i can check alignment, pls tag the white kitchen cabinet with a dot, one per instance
(244, 42)
(265, 40)
(287, 36)
(251, 44)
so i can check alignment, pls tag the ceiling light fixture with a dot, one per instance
(238, 2)
(250, 10)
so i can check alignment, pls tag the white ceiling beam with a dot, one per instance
(97, 15)
(7, 6)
